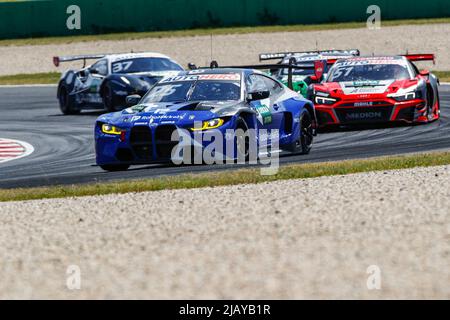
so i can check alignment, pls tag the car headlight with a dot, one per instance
(407, 96)
(324, 100)
(210, 124)
(322, 94)
(110, 129)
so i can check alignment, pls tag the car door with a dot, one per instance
(97, 73)
(268, 110)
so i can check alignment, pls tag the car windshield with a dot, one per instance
(145, 65)
(367, 72)
(194, 88)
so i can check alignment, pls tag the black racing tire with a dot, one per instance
(66, 101)
(439, 104)
(108, 98)
(304, 143)
(430, 99)
(307, 132)
(115, 167)
(242, 142)
(429, 102)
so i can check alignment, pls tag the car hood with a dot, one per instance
(362, 89)
(148, 77)
(365, 87)
(167, 73)
(182, 113)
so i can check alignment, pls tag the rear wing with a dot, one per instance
(318, 67)
(57, 60)
(421, 57)
(281, 55)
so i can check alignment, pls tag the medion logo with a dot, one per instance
(363, 115)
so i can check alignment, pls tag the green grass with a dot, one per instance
(242, 176)
(444, 76)
(31, 78)
(214, 31)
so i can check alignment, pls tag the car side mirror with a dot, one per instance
(133, 100)
(258, 95)
(425, 73)
(93, 71)
(319, 70)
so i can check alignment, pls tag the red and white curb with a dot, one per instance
(14, 149)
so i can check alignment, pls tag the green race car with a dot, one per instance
(302, 78)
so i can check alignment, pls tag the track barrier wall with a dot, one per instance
(48, 18)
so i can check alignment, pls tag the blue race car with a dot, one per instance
(196, 103)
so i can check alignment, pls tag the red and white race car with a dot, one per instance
(377, 89)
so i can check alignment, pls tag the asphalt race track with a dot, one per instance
(64, 150)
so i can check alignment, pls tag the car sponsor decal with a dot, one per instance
(363, 115)
(122, 66)
(135, 118)
(14, 149)
(226, 76)
(263, 113)
(94, 85)
(379, 61)
(368, 83)
(364, 104)
(195, 77)
(161, 117)
(365, 87)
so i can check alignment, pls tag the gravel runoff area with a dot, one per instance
(242, 49)
(312, 238)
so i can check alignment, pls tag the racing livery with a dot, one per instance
(377, 89)
(204, 101)
(303, 78)
(108, 82)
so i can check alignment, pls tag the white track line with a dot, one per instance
(14, 149)
(28, 86)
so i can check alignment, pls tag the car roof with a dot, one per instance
(134, 55)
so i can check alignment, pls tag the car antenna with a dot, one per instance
(211, 38)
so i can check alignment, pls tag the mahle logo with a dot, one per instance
(364, 104)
